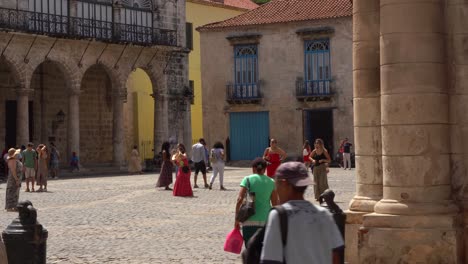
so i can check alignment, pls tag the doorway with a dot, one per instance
(10, 124)
(319, 124)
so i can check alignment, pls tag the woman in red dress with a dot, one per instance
(306, 150)
(182, 186)
(273, 155)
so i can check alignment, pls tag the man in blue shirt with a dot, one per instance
(199, 160)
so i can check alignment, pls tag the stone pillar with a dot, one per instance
(457, 36)
(367, 132)
(74, 122)
(22, 116)
(118, 127)
(187, 126)
(160, 120)
(416, 221)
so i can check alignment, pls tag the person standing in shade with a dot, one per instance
(273, 155)
(312, 235)
(30, 165)
(165, 177)
(134, 165)
(347, 154)
(199, 159)
(217, 162)
(54, 162)
(265, 196)
(15, 168)
(320, 158)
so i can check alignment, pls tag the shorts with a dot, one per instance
(29, 173)
(200, 166)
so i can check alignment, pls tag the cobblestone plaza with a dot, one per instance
(124, 219)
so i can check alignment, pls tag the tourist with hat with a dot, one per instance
(15, 168)
(312, 235)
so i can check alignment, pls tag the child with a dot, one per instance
(74, 162)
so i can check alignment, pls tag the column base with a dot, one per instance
(353, 224)
(411, 239)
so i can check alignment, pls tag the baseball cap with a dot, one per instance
(295, 173)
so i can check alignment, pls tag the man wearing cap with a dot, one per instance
(30, 165)
(312, 232)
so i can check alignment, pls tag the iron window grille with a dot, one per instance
(245, 73)
(317, 70)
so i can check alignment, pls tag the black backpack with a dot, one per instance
(253, 250)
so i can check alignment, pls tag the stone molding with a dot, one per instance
(244, 39)
(24, 92)
(313, 33)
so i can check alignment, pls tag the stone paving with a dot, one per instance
(124, 219)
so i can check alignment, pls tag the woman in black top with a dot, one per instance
(320, 158)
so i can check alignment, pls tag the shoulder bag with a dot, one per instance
(247, 208)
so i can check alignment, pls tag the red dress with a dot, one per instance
(182, 186)
(306, 157)
(273, 163)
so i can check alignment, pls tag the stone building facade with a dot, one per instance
(64, 66)
(276, 72)
(411, 132)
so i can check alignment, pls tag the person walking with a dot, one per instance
(320, 158)
(134, 164)
(306, 150)
(30, 166)
(42, 167)
(54, 162)
(199, 159)
(263, 188)
(273, 155)
(74, 162)
(312, 235)
(15, 169)
(217, 162)
(165, 176)
(182, 185)
(347, 154)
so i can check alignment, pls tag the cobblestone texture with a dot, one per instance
(124, 219)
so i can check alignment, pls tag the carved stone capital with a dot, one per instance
(74, 92)
(119, 95)
(24, 92)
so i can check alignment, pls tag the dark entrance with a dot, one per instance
(319, 124)
(10, 124)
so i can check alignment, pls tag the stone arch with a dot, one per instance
(17, 68)
(116, 78)
(71, 71)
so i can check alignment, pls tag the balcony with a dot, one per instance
(248, 93)
(82, 28)
(313, 90)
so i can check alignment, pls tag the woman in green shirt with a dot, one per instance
(265, 197)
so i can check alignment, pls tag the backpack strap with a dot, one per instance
(283, 216)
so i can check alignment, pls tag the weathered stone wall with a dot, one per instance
(281, 62)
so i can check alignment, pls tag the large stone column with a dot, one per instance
(458, 60)
(22, 116)
(416, 221)
(118, 127)
(367, 132)
(74, 122)
(160, 120)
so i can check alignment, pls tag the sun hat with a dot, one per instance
(12, 153)
(295, 173)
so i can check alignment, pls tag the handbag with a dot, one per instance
(247, 209)
(234, 242)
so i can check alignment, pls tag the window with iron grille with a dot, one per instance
(317, 68)
(245, 72)
(48, 16)
(189, 35)
(94, 19)
(137, 21)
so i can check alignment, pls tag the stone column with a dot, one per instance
(160, 120)
(416, 221)
(458, 34)
(187, 126)
(367, 132)
(118, 128)
(22, 116)
(74, 122)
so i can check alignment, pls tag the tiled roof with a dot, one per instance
(237, 4)
(281, 11)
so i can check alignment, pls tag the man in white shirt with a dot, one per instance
(312, 235)
(199, 160)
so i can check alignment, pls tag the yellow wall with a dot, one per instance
(143, 118)
(199, 15)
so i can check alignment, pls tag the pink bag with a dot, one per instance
(234, 242)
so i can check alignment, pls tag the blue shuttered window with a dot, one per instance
(246, 71)
(317, 67)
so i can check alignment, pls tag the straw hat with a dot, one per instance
(12, 153)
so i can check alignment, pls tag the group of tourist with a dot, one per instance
(200, 158)
(34, 164)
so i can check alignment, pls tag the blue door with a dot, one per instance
(249, 134)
